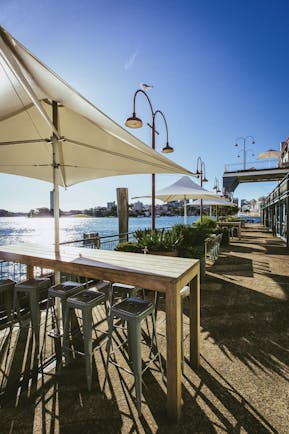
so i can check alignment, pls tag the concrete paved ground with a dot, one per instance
(242, 385)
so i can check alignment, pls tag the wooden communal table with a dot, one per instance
(158, 273)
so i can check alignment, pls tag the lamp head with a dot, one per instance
(133, 122)
(205, 179)
(167, 149)
(218, 190)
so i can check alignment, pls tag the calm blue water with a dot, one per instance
(40, 230)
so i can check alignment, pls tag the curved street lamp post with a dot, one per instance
(216, 185)
(218, 190)
(245, 150)
(135, 122)
(201, 173)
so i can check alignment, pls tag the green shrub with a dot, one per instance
(206, 223)
(128, 246)
(192, 235)
(196, 252)
(158, 240)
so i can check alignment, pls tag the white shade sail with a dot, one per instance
(211, 202)
(48, 131)
(91, 145)
(182, 189)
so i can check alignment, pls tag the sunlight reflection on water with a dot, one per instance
(14, 230)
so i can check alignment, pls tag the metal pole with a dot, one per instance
(244, 154)
(55, 176)
(201, 204)
(287, 213)
(55, 163)
(153, 211)
(185, 210)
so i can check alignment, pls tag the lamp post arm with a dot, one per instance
(149, 101)
(203, 169)
(163, 116)
(199, 160)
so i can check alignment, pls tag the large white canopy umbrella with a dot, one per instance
(48, 131)
(219, 201)
(183, 189)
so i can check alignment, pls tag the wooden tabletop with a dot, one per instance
(148, 271)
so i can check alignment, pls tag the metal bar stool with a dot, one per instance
(85, 301)
(32, 288)
(122, 290)
(7, 290)
(133, 311)
(61, 291)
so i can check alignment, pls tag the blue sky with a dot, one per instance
(219, 70)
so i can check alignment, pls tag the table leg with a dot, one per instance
(174, 374)
(195, 321)
(30, 272)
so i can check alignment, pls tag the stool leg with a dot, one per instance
(35, 316)
(110, 296)
(156, 303)
(66, 334)
(108, 345)
(45, 327)
(15, 307)
(135, 333)
(63, 310)
(8, 305)
(87, 338)
(154, 336)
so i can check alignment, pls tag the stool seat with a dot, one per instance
(65, 289)
(123, 290)
(31, 284)
(87, 298)
(6, 284)
(132, 307)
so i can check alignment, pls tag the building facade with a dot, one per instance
(275, 211)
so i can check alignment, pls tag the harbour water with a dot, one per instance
(41, 230)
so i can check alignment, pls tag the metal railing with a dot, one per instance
(254, 165)
(105, 242)
(212, 246)
(280, 192)
(18, 272)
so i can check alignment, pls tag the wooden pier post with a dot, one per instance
(122, 212)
